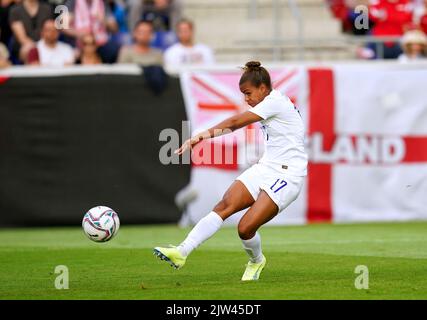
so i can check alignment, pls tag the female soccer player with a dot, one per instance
(267, 187)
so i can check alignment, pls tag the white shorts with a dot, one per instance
(282, 187)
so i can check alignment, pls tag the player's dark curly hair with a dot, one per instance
(255, 74)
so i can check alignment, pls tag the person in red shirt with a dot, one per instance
(390, 18)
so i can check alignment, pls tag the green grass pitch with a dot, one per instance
(303, 262)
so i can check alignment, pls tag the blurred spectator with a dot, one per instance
(186, 52)
(93, 16)
(141, 52)
(6, 32)
(4, 56)
(49, 51)
(89, 54)
(391, 18)
(414, 44)
(26, 20)
(163, 13)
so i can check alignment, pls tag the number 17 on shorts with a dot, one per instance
(278, 185)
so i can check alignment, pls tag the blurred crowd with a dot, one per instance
(153, 32)
(405, 19)
(88, 32)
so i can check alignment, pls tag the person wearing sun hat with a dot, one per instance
(414, 44)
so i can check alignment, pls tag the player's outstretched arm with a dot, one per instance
(227, 126)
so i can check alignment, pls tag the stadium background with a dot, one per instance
(75, 137)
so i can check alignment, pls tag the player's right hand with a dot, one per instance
(188, 144)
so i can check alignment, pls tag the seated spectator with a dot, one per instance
(414, 44)
(93, 16)
(89, 54)
(49, 51)
(186, 52)
(141, 52)
(4, 56)
(26, 20)
(391, 18)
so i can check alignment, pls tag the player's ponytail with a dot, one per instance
(255, 74)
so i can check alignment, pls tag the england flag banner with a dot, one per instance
(366, 136)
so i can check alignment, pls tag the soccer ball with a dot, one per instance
(100, 224)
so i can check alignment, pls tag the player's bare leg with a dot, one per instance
(236, 198)
(262, 211)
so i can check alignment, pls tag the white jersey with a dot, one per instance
(284, 132)
(62, 54)
(178, 56)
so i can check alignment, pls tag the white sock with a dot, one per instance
(253, 248)
(202, 231)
